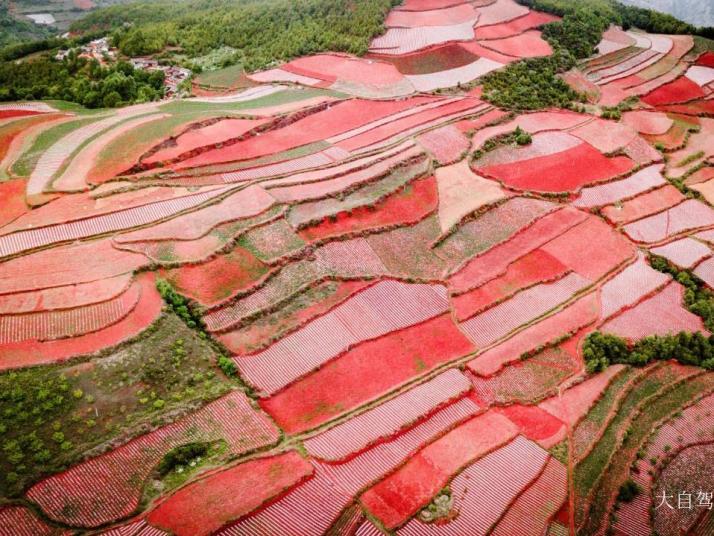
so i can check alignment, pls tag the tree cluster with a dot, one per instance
(79, 80)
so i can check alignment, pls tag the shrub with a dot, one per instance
(181, 456)
(628, 491)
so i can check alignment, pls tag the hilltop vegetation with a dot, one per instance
(13, 30)
(261, 32)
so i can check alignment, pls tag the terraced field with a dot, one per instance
(353, 298)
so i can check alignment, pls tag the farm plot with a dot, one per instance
(499, 12)
(49, 325)
(495, 261)
(457, 75)
(698, 148)
(399, 496)
(662, 314)
(246, 203)
(218, 279)
(21, 241)
(232, 493)
(350, 259)
(432, 60)
(316, 127)
(436, 17)
(534, 123)
(680, 90)
(516, 26)
(580, 314)
(687, 216)
(383, 308)
(446, 144)
(685, 253)
(462, 192)
(564, 171)
(272, 242)
(606, 136)
(543, 144)
(695, 425)
(629, 287)
(388, 419)
(72, 497)
(533, 268)
(528, 44)
(605, 194)
(485, 490)
(688, 471)
(143, 315)
(535, 424)
(214, 134)
(347, 382)
(643, 205)
(398, 41)
(537, 505)
(408, 206)
(295, 313)
(529, 380)
(13, 195)
(495, 323)
(67, 265)
(491, 228)
(614, 39)
(64, 297)
(648, 122)
(21, 521)
(705, 271)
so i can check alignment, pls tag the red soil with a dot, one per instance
(12, 194)
(592, 249)
(83, 4)
(427, 5)
(219, 278)
(681, 90)
(514, 27)
(67, 265)
(396, 498)
(697, 107)
(205, 506)
(431, 60)
(535, 267)
(561, 172)
(583, 312)
(534, 423)
(332, 67)
(481, 121)
(338, 118)
(351, 380)
(32, 353)
(7, 114)
(496, 260)
(526, 45)
(214, 134)
(394, 128)
(246, 340)
(481, 51)
(405, 207)
(442, 17)
(644, 205)
(706, 59)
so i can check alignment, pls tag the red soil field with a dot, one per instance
(394, 128)
(495, 261)
(592, 249)
(681, 90)
(561, 172)
(257, 335)
(583, 312)
(7, 114)
(333, 67)
(441, 17)
(410, 205)
(67, 265)
(533, 268)
(467, 125)
(349, 381)
(706, 59)
(205, 506)
(214, 134)
(21, 521)
(533, 422)
(32, 353)
(12, 194)
(396, 498)
(219, 278)
(696, 107)
(338, 118)
(432, 60)
(644, 205)
(526, 45)
(514, 27)
(428, 5)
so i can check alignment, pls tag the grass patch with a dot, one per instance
(52, 415)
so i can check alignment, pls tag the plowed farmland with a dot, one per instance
(357, 297)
